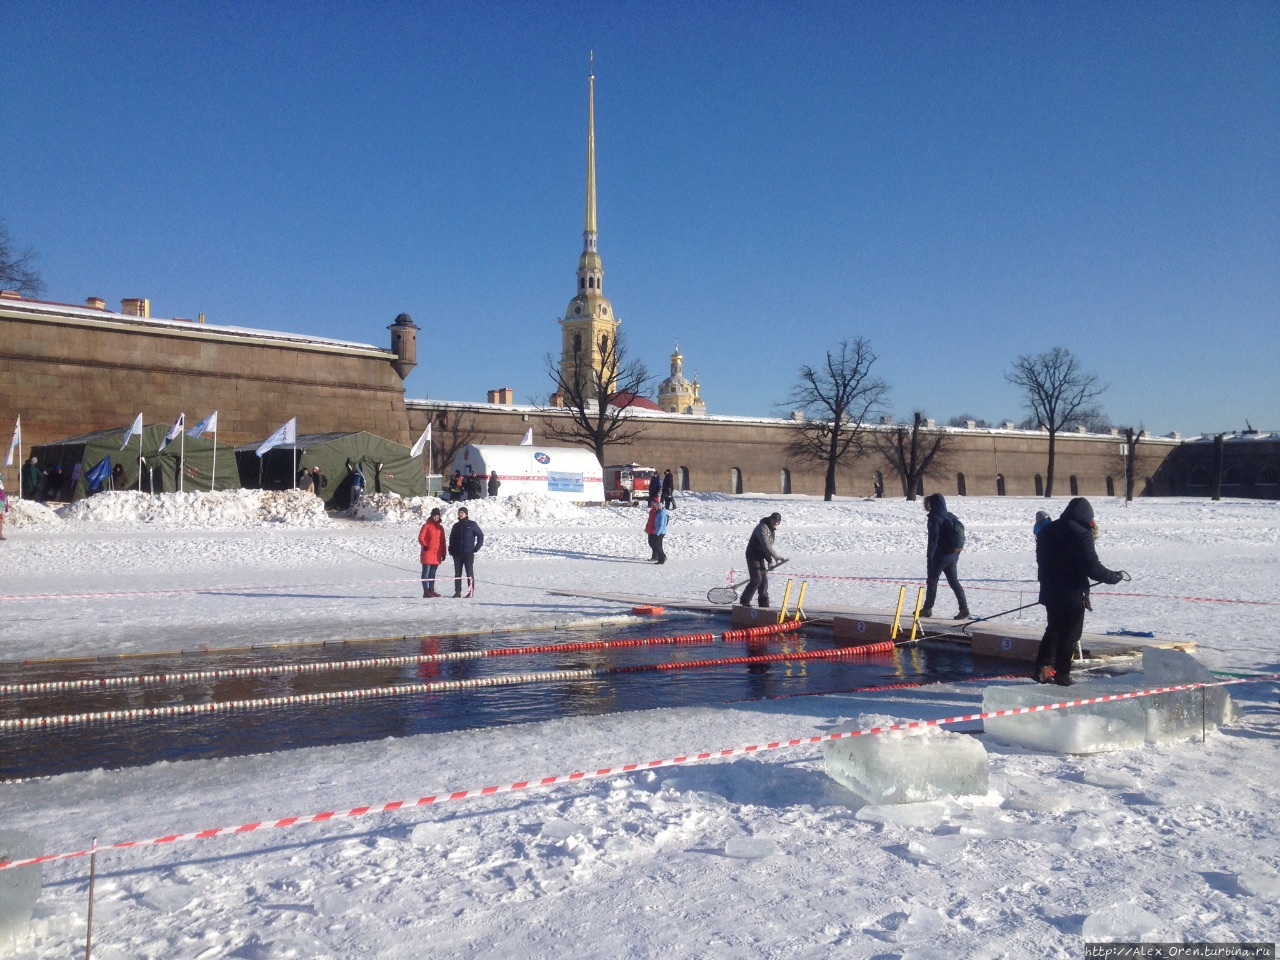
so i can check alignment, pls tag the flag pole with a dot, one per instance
(21, 463)
(214, 469)
(182, 454)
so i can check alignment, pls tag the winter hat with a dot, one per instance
(436, 512)
(1041, 515)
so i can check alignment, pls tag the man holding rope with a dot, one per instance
(1065, 562)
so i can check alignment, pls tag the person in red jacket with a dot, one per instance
(432, 540)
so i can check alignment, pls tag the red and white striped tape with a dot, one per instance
(371, 663)
(457, 795)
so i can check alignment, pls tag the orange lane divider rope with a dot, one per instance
(405, 689)
(459, 795)
(371, 663)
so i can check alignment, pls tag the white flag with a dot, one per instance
(15, 443)
(136, 428)
(176, 429)
(286, 434)
(208, 425)
(528, 438)
(422, 442)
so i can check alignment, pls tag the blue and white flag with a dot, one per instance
(16, 442)
(136, 428)
(208, 425)
(286, 434)
(176, 429)
(422, 442)
(98, 473)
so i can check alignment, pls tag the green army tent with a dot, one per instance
(386, 467)
(87, 464)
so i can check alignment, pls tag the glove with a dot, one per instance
(1116, 576)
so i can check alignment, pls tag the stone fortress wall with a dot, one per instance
(74, 370)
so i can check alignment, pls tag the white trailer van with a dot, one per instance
(565, 473)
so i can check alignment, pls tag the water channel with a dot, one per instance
(117, 743)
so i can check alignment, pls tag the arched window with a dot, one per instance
(999, 484)
(960, 488)
(877, 484)
(577, 343)
(1075, 486)
(581, 283)
(604, 343)
(1039, 485)
(1268, 475)
(1111, 487)
(920, 487)
(684, 478)
(785, 480)
(1146, 487)
(735, 480)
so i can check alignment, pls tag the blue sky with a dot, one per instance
(958, 183)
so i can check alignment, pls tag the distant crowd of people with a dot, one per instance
(471, 486)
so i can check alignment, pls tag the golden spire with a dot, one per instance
(589, 227)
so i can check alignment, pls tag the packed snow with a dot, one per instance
(764, 855)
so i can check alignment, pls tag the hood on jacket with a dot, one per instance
(1079, 510)
(936, 501)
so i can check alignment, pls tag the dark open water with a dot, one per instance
(137, 742)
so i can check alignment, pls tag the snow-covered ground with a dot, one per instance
(1177, 841)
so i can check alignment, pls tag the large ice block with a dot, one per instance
(19, 887)
(1097, 728)
(1118, 724)
(1173, 716)
(907, 766)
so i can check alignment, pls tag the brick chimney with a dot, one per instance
(96, 303)
(136, 307)
(503, 395)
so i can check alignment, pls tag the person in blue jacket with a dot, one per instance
(465, 539)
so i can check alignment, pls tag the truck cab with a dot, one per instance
(627, 482)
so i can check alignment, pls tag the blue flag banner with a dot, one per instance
(208, 425)
(98, 473)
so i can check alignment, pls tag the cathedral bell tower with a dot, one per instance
(589, 328)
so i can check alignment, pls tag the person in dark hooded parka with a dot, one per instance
(1066, 561)
(942, 556)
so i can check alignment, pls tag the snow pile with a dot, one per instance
(524, 509)
(29, 513)
(220, 509)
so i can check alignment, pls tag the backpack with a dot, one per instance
(954, 533)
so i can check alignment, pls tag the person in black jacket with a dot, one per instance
(465, 538)
(1065, 562)
(761, 558)
(941, 556)
(668, 490)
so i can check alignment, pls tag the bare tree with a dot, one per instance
(597, 391)
(836, 401)
(964, 419)
(914, 451)
(1131, 460)
(1058, 393)
(17, 267)
(450, 432)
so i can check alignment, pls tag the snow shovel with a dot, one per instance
(730, 593)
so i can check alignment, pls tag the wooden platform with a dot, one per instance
(1002, 639)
